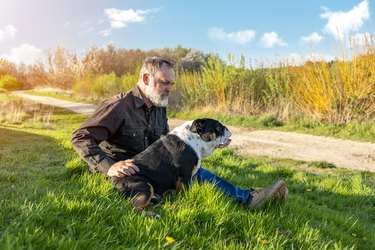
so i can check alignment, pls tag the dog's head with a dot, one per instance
(212, 135)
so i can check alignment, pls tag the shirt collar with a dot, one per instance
(138, 101)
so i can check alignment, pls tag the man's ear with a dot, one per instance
(197, 126)
(146, 78)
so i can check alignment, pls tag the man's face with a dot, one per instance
(160, 86)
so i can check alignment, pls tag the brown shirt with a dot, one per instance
(120, 128)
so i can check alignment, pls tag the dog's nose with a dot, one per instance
(229, 133)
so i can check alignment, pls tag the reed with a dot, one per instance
(338, 92)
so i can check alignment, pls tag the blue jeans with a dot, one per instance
(238, 194)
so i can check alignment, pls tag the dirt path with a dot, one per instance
(276, 144)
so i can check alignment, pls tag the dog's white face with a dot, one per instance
(204, 135)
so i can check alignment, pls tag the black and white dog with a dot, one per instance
(170, 162)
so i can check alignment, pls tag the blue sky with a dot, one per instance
(260, 30)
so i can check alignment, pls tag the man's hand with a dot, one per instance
(123, 168)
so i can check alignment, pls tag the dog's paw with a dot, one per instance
(151, 215)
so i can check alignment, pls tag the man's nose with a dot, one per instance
(168, 88)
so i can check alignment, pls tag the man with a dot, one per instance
(128, 123)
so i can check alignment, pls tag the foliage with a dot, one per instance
(17, 111)
(63, 68)
(9, 83)
(339, 92)
(84, 86)
(106, 85)
(128, 80)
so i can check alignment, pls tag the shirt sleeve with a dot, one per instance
(86, 142)
(97, 128)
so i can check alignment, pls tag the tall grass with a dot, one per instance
(14, 110)
(338, 92)
(226, 87)
(103, 86)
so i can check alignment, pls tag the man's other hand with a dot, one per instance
(123, 168)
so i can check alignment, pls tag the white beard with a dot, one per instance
(157, 99)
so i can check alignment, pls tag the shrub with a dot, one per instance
(106, 85)
(339, 92)
(83, 87)
(129, 80)
(9, 83)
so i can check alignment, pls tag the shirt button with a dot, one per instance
(146, 137)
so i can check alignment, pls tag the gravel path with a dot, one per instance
(275, 144)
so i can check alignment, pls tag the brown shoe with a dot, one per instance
(262, 196)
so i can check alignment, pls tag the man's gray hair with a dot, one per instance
(152, 64)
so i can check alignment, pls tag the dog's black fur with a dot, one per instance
(166, 165)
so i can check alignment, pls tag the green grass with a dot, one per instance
(50, 200)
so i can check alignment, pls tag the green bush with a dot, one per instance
(83, 87)
(128, 81)
(8, 82)
(107, 85)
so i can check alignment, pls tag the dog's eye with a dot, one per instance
(218, 129)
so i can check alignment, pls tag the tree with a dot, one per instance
(63, 68)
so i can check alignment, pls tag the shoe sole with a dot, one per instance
(279, 185)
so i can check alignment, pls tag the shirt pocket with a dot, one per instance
(133, 134)
(133, 140)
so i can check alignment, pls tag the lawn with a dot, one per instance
(50, 200)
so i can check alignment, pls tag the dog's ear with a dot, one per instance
(207, 137)
(197, 126)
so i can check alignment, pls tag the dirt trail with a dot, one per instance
(276, 144)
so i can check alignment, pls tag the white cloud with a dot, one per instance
(340, 24)
(26, 53)
(121, 18)
(241, 37)
(271, 39)
(299, 59)
(105, 33)
(87, 30)
(313, 38)
(7, 32)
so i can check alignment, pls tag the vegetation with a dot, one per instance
(337, 92)
(9, 83)
(15, 110)
(50, 200)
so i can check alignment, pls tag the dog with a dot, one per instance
(170, 162)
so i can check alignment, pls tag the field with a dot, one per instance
(50, 200)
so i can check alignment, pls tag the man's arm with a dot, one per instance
(86, 142)
(103, 124)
